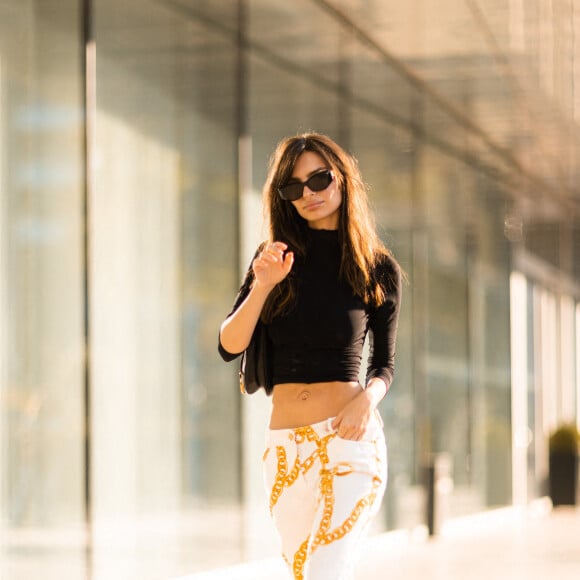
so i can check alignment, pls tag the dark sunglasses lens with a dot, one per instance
(291, 192)
(319, 181)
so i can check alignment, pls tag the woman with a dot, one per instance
(321, 283)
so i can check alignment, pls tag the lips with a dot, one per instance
(312, 205)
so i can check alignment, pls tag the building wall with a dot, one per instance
(464, 122)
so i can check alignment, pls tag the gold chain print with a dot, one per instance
(285, 479)
(324, 535)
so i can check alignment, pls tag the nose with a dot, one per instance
(307, 191)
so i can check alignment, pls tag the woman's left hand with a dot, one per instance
(353, 420)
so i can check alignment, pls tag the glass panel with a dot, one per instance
(41, 266)
(448, 377)
(468, 330)
(300, 37)
(535, 448)
(519, 391)
(166, 409)
(385, 154)
(490, 262)
(283, 102)
(577, 363)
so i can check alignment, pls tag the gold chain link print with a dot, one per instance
(324, 535)
(285, 479)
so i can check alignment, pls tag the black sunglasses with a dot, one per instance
(317, 182)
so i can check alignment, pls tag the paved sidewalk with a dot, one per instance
(516, 546)
(510, 544)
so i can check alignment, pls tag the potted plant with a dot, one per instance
(564, 444)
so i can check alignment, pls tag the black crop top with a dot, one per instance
(321, 339)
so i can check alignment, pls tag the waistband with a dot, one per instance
(323, 428)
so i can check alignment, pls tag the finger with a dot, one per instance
(274, 250)
(356, 435)
(269, 258)
(344, 432)
(288, 261)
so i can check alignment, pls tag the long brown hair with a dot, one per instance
(361, 246)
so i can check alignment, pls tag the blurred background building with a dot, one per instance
(134, 141)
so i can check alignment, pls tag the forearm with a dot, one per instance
(236, 330)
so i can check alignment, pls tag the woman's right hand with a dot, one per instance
(272, 266)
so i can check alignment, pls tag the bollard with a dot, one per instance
(438, 487)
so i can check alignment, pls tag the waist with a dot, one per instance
(322, 428)
(299, 404)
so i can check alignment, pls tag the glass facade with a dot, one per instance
(134, 142)
(41, 264)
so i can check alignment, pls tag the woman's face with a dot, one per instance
(319, 208)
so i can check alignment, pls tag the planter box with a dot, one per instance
(563, 478)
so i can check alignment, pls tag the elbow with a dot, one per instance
(226, 354)
(227, 351)
(227, 343)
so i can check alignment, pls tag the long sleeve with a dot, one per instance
(383, 323)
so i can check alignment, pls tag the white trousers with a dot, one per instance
(323, 491)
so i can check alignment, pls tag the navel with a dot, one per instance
(304, 395)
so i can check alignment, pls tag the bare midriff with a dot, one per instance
(300, 404)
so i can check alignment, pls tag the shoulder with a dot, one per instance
(386, 263)
(388, 273)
